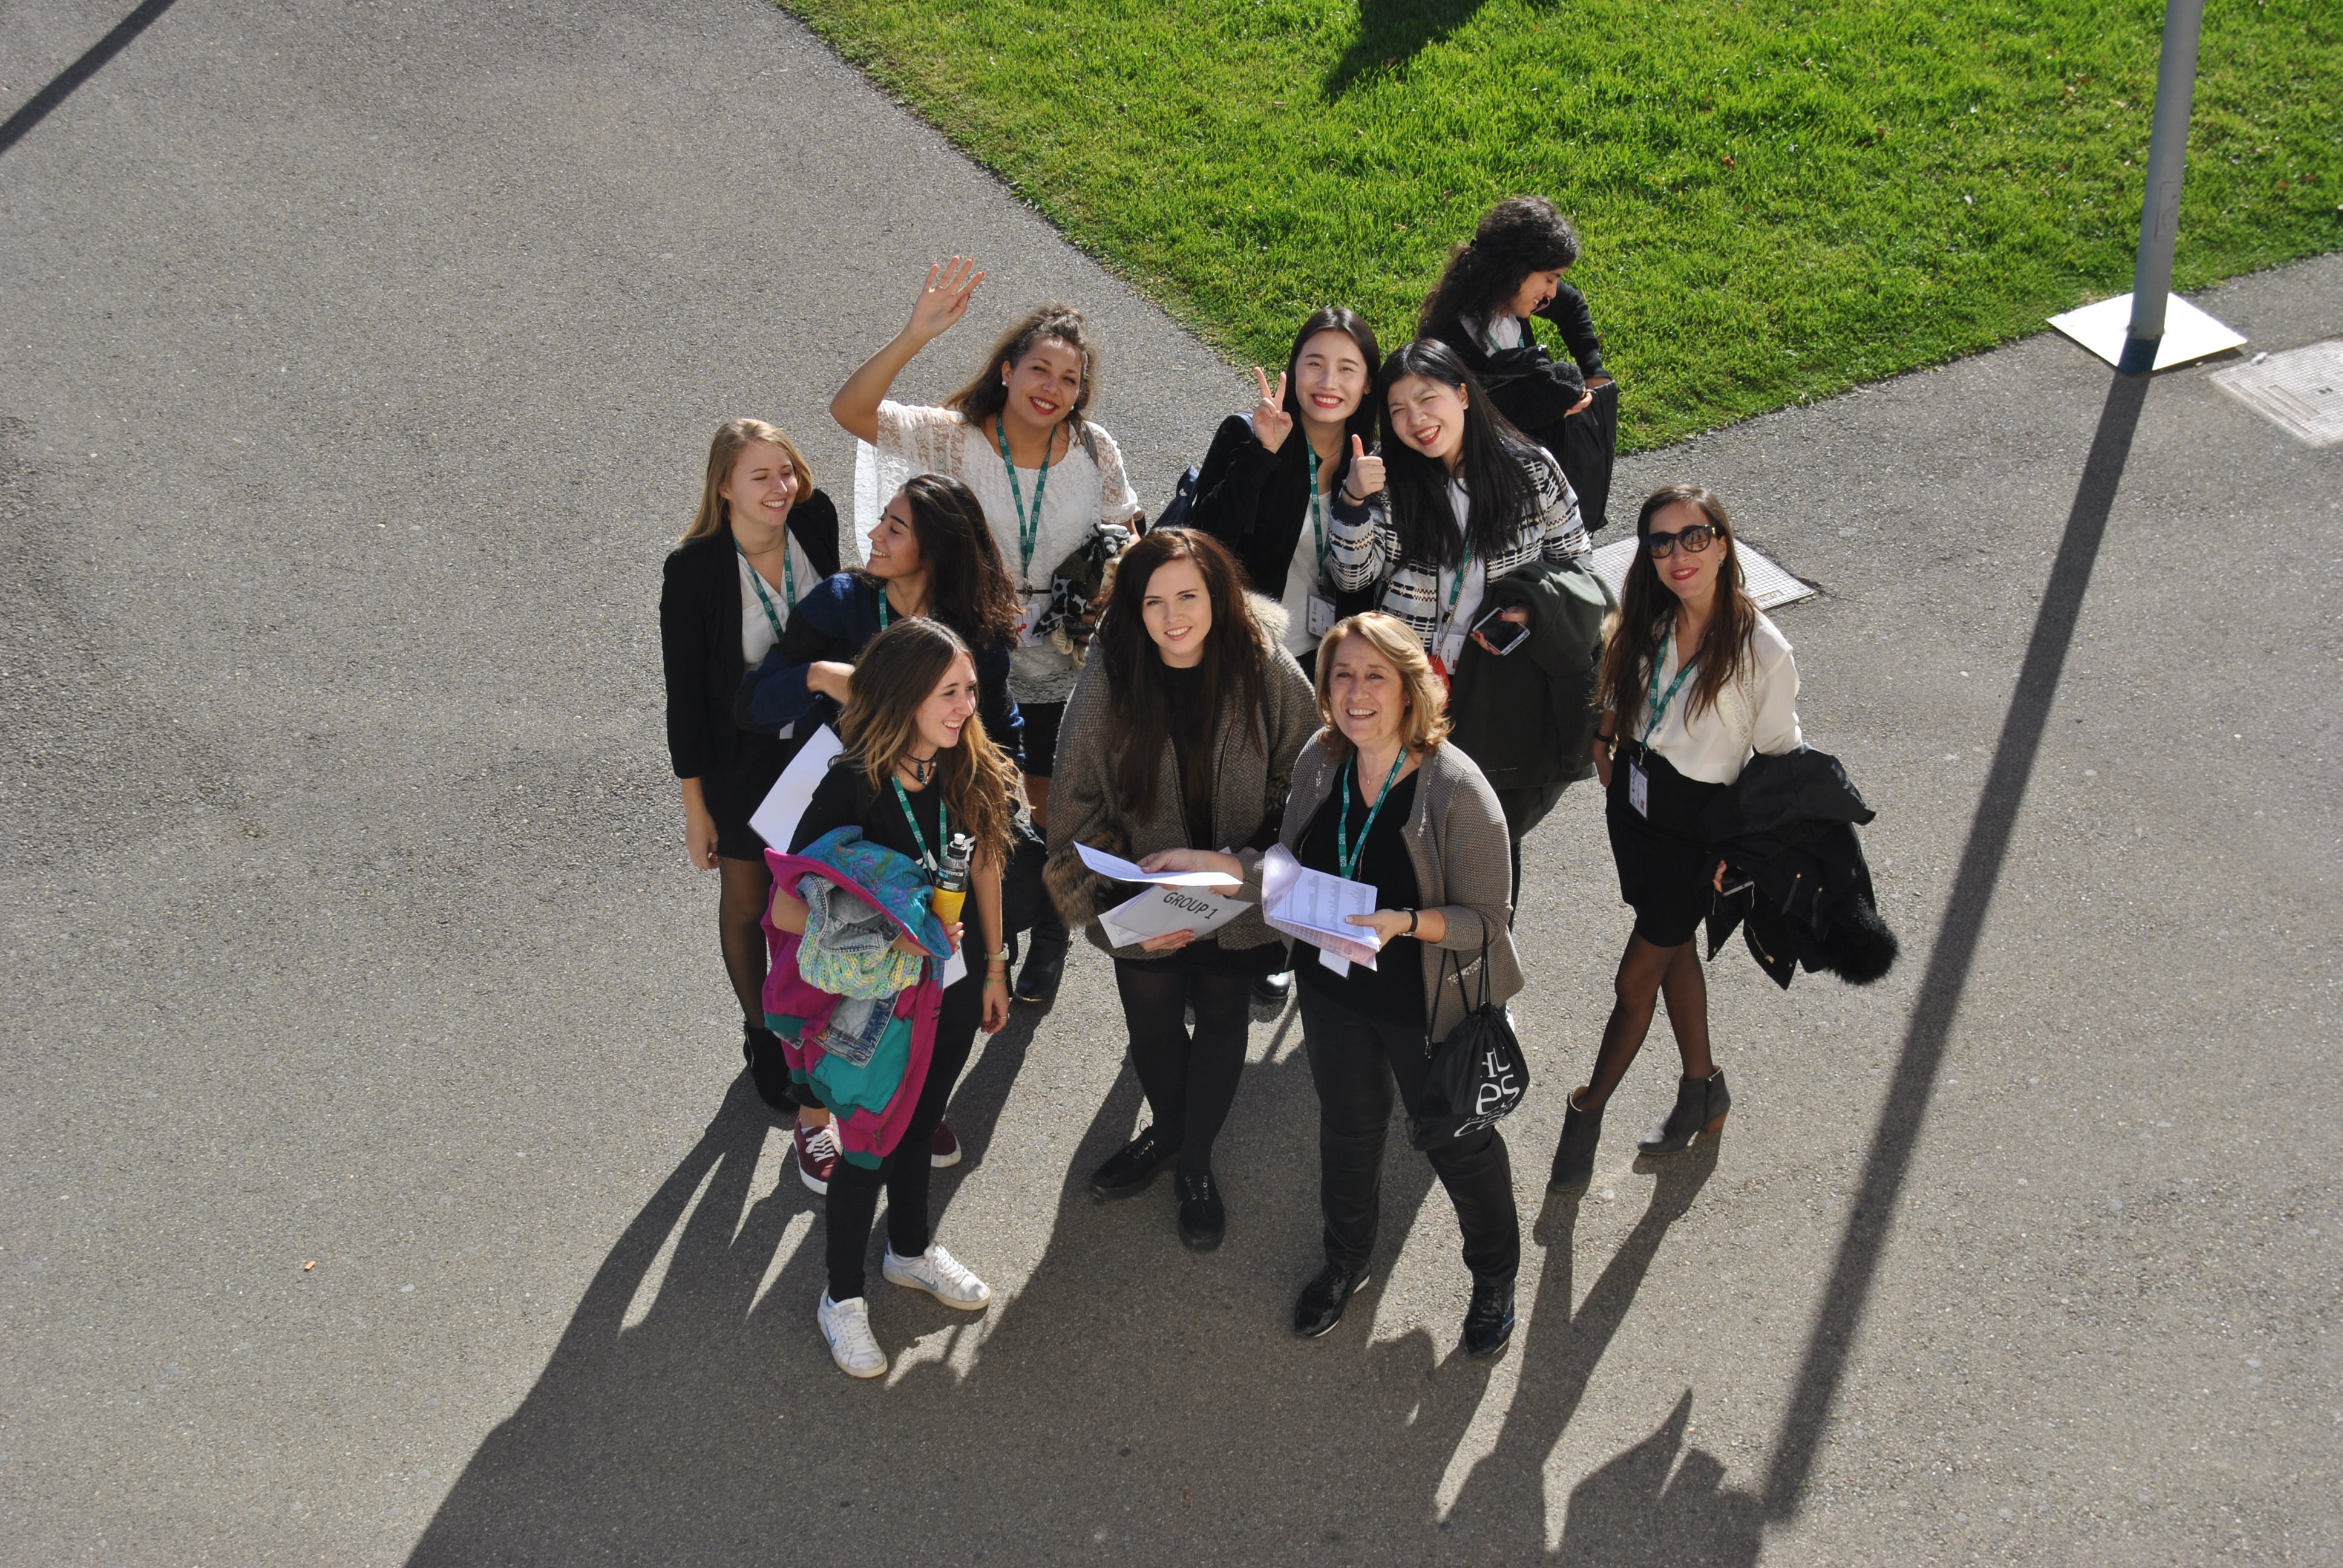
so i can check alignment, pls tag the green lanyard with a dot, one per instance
(1455, 592)
(927, 857)
(883, 616)
(788, 584)
(1660, 704)
(1317, 508)
(1346, 857)
(1029, 526)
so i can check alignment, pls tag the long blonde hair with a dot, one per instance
(898, 670)
(1425, 724)
(722, 453)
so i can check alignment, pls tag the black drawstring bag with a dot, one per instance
(1478, 1074)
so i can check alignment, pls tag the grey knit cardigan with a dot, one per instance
(1463, 868)
(1249, 786)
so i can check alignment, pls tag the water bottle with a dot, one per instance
(951, 878)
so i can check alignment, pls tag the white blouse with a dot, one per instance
(1083, 491)
(757, 634)
(1758, 712)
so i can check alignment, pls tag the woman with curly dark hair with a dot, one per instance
(1508, 272)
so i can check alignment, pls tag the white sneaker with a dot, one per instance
(847, 1326)
(939, 1274)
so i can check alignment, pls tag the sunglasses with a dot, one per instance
(1695, 539)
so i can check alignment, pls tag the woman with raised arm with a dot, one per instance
(1508, 273)
(1051, 484)
(915, 774)
(1180, 734)
(762, 531)
(1381, 796)
(1459, 499)
(1695, 679)
(930, 555)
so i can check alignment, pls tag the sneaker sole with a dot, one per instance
(944, 1161)
(1337, 1323)
(879, 1370)
(814, 1184)
(911, 1284)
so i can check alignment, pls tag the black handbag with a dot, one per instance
(1024, 897)
(1477, 1075)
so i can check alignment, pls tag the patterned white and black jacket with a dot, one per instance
(1363, 547)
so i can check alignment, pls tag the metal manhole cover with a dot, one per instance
(2300, 390)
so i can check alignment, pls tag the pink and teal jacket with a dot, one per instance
(872, 1102)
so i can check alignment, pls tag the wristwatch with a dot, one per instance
(1411, 924)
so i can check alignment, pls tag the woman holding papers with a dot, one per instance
(1053, 487)
(1694, 679)
(1379, 799)
(1179, 735)
(761, 531)
(930, 555)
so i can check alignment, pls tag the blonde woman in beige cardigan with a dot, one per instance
(1180, 734)
(1379, 796)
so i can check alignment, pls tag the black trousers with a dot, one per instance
(854, 1189)
(1190, 1081)
(1355, 1060)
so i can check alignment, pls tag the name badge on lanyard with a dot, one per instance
(1318, 613)
(1639, 789)
(1639, 783)
(1029, 616)
(1319, 617)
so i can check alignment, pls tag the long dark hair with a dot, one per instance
(1647, 610)
(987, 393)
(1353, 325)
(968, 585)
(1495, 467)
(1519, 236)
(898, 670)
(1139, 696)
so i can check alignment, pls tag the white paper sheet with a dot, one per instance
(1123, 870)
(1311, 905)
(1160, 911)
(777, 818)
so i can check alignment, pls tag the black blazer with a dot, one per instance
(700, 635)
(1257, 502)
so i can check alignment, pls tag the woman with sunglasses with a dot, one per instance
(1695, 681)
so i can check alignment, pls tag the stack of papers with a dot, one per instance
(1312, 907)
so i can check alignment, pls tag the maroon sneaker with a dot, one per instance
(818, 1154)
(944, 1149)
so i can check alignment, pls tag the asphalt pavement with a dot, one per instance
(378, 1179)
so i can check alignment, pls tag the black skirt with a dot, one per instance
(1667, 868)
(734, 792)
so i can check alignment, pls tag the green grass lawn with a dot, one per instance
(1777, 199)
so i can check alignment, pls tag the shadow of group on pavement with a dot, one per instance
(1131, 1401)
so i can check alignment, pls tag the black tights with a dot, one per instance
(853, 1199)
(748, 887)
(1191, 1081)
(1644, 974)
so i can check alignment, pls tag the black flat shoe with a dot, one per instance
(1319, 1306)
(1573, 1157)
(1274, 990)
(768, 1069)
(1489, 1320)
(1203, 1218)
(1127, 1174)
(1045, 966)
(1700, 1107)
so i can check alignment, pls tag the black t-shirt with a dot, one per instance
(1190, 736)
(845, 799)
(1394, 988)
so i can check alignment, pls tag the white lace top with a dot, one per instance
(1083, 491)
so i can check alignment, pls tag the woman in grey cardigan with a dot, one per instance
(1378, 797)
(1180, 733)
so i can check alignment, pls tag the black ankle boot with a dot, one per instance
(1701, 1105)
(1573, 1157)
(1322, 1301)
(1134, 1165)
(1045, 966)
(1489, 1320)
(1203, 1218)
(768, 1069)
